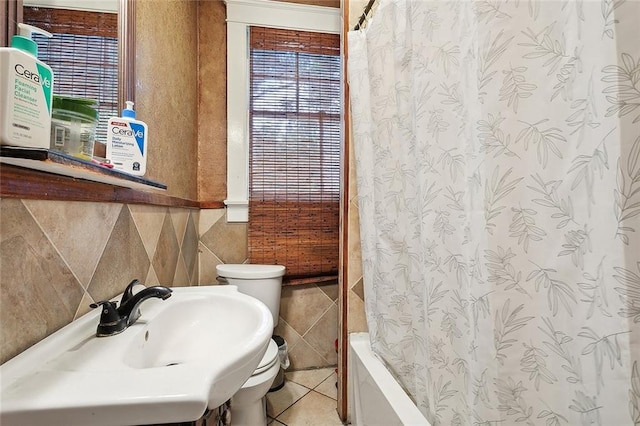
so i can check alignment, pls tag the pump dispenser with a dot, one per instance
(127, 142)
(128, 111)
(26, 92)
(24, 41)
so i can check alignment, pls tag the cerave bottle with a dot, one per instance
(127, 142)
(26, 92)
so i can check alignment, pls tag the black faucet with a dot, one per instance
(115, 320)
(128, 294)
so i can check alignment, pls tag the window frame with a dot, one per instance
(242, 14)
(295, 152)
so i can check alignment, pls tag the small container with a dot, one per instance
(73, 126)
(283, 355)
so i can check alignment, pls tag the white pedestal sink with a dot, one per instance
(184, 354)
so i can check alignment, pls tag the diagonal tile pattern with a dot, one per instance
(227, 240)
(58, 257)
(123, 260)
(307, 398)
(67, 224)
(167, 252)
(74, 253)
(149, 220)
(39, 293)
(310, 304)
(189, 250)
(179, 219)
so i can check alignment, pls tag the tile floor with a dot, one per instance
(307, 398)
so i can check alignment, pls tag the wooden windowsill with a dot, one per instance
(329, 279)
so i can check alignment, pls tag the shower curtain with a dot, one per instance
(497, 149)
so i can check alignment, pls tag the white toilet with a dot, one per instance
(264, 282)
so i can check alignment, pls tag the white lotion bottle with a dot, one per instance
(26, 92)
(127, 142)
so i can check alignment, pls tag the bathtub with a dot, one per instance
(375, 397)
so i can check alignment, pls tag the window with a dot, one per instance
(83, 56)
(294, 150)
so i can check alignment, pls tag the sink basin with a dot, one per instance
(184, 354)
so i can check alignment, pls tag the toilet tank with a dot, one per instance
(264, 282)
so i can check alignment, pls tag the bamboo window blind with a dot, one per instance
(83, 54)
(294, 154)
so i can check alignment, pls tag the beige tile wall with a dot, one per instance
(58, 257)
(308, 313)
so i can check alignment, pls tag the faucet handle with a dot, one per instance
(110, 320)
(128, 292)
(109, 311)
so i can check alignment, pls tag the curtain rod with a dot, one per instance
(363, 17)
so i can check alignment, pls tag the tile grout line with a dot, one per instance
(294, 402)
(64, 260)
(309, 391)
(318, 385)
(307, 394)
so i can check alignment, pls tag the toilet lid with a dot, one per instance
(270, 357)
(249, 271)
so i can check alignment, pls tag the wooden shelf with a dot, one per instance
(46, 175)
(61, 164)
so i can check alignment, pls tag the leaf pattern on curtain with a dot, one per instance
(498, 166)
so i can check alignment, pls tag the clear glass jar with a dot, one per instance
(73, 126)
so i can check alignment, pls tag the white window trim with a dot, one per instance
(241, 14)
(110, 6)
